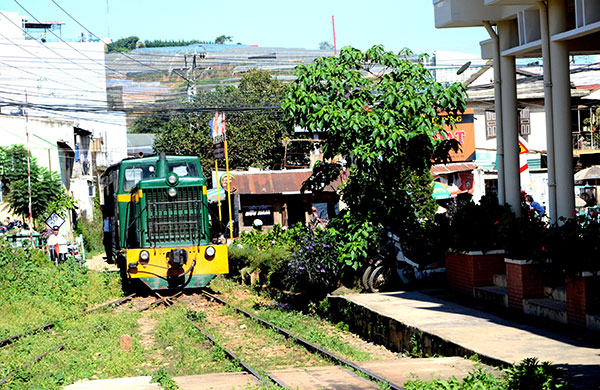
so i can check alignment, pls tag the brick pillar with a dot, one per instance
(524, 281)
(473, 269)
(582, 298)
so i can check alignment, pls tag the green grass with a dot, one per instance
(92, 350)
(182, 345)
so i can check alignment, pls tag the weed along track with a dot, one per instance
(34, 340)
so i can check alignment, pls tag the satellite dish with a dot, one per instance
(463, 68)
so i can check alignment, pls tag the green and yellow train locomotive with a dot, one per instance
(157, 222)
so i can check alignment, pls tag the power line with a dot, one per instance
(94, 35)
(60, 70)
(46, 47)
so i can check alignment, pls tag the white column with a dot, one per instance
(510, 120)
(561, 107)
(548, 111)
(498, 110)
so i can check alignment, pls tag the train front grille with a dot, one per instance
(178, 219)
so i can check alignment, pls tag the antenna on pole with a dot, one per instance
(334, 44)
(107, 20)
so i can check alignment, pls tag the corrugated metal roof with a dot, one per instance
(274, 182)
(444, 169)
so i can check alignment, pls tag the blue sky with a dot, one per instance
(272, 23)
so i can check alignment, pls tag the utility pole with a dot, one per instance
(191, 75)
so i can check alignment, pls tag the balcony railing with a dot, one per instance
(586, 141)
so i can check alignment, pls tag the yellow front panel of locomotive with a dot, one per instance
(158, 263)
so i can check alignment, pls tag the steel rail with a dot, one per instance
(12, 339)
(307, 344)
(234, 357)
(159, 301)
(33, 360)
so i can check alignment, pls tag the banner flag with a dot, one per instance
(217, 125)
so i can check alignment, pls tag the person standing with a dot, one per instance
(107, 239)
(57, 244)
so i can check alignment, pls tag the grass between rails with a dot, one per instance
(309, 327)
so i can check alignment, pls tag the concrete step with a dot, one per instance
(546, 308)
(131, 383)
(322, 378)
(494, 295)
(556, 293)
(221, 381)
(593, 321)
(500, 280)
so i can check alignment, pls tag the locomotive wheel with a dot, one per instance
(364, 280)
(379, 279)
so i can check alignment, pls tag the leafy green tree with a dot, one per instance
(47, 193)
(123, 45)
(223, 38)
(378, 110)
(325, 46)
(253, 122)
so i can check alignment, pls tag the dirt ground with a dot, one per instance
(97, 263)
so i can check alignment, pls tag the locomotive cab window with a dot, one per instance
(133, 175)
(183, 169)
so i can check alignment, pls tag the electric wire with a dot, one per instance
(94, 35)
(48, 48)
(60, 39)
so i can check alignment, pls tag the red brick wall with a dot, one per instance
(524, 281)
(582, 298)
(465, 271)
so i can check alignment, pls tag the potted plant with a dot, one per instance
(575, 251)
(477, 242)
(527, 254)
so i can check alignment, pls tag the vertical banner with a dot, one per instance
(524, 166)
(217, 132)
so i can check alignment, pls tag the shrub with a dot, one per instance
(92, 231)
(478, 227)
(268, 261)
(531, 374)
(314, 267)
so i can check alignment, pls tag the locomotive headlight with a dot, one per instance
(172, 192)
(144, 255)
(172, 179)
(210, 252)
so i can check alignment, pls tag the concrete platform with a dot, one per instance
(131, 383)
(322, 378)
(400, 371)
(224, 381)
(400, 318)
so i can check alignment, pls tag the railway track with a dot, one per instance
(268, 379)
(271, 380)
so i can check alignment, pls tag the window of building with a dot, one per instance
(524, 122)
(490, 124)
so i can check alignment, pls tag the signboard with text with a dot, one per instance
(264, 213)
(464, 132)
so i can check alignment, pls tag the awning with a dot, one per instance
(214, 193)
(445, 169)
(443, 191)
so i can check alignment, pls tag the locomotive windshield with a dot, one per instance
(133, 174)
